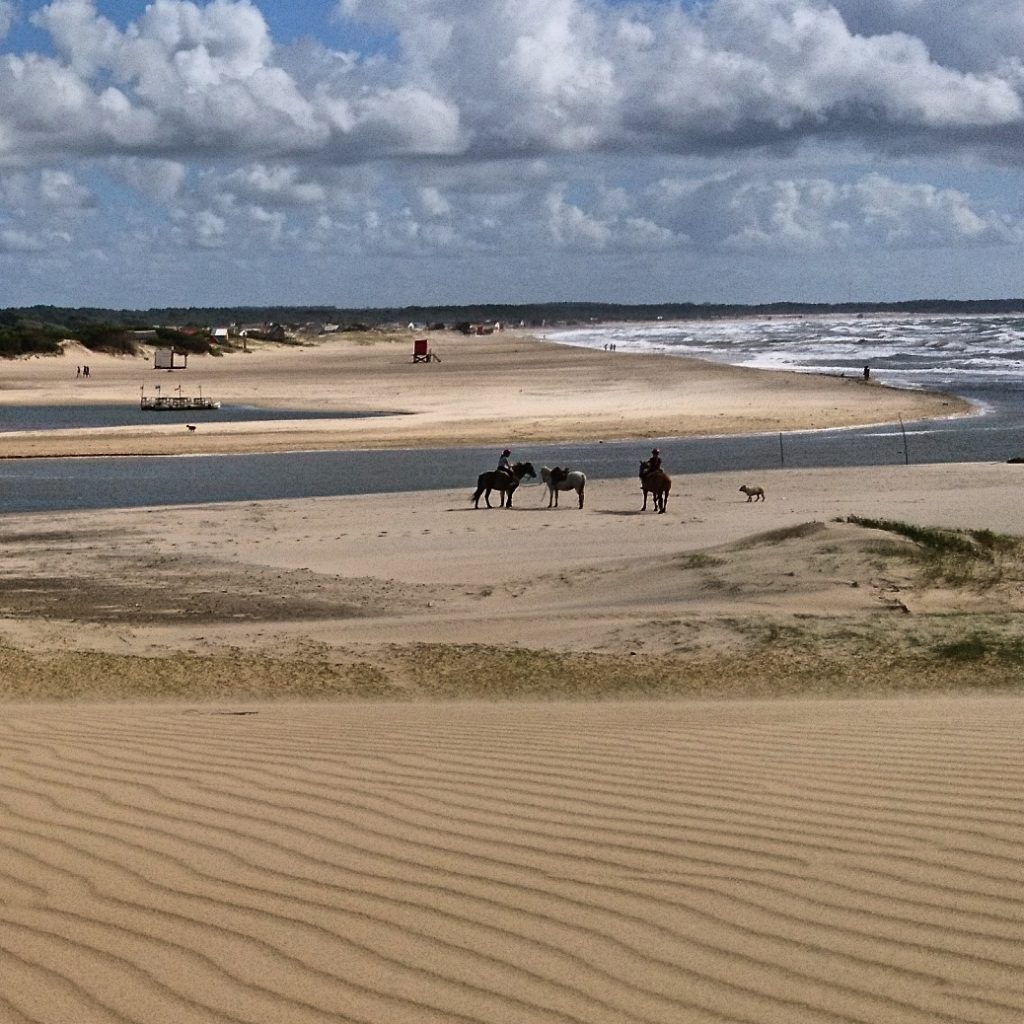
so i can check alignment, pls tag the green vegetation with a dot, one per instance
(20, 340)
(782, 534)
(109, 338)
(699, 560)
(21, 336)
(194, 344)
(983, 646)
(957, 557)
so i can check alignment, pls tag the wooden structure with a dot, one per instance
(170, 359)
(159, 403)
(421, 352)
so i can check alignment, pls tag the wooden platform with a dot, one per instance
(162, 402)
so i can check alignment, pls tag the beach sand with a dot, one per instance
(391, 759)
(505, 388)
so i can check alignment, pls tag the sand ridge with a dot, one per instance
(657, 862)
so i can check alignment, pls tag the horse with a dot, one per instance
(498, 480)
(657, 483)
(562, 480)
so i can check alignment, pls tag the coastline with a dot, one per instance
(387, 757)
(506, 388)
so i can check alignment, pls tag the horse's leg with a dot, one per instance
(580, 493)
(487, 497)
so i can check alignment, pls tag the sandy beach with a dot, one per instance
(392, 759)
(505, 388)
(779, 861)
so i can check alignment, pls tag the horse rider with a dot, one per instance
(654, 462)
(504, 465)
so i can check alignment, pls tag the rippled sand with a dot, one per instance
(669, 862)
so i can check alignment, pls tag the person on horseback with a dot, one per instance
(653, 464)
(504, 463)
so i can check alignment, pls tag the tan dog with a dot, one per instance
(753, 493)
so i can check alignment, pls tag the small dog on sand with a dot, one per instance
(191, 426)
(753, 493)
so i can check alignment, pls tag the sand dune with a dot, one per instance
(390, 855)
(762, 862)
(419, 595)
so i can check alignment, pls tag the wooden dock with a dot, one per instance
(163, 402)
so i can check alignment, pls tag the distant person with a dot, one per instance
(654, 462)
(867, 373)
(78, 371)
(85, 371)
(504, 462)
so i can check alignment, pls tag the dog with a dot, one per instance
(753, 493)
(190, 426)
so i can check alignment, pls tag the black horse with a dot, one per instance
(499, 480)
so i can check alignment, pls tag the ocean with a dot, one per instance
(978, 357)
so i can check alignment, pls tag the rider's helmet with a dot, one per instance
(655, 451)
(507, 451)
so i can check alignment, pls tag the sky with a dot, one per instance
(378, 153)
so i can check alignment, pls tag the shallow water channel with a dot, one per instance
(55, 484)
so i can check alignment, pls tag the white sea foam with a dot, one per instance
(912, 351)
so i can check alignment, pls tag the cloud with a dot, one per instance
(978, 36)
(808, 215)
(160, 180)
(209, 230)
(565, 131)
(59, 190)
(574, 76)
(14, 240)
(7, 12)
(494, 80)
(569, 226)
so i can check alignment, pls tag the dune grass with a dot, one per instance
(975, 558)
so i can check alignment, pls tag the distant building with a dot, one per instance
(264, 332)
(169, 359)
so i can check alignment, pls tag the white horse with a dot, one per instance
(567, 480)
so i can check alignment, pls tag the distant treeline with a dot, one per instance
(547, 312)
(41, 328)
(39, 331)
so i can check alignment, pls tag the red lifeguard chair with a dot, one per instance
(421, 352)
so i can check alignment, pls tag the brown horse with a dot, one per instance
(657, 483)
(502, 482)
